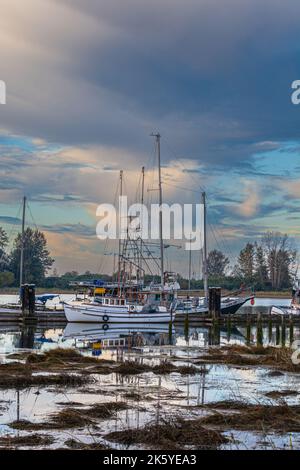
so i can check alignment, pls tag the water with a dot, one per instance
(160, 396)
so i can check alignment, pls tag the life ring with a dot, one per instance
(105, 326)
(105, 318)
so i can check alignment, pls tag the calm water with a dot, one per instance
(161, 396)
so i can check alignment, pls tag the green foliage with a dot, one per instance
(37, 260)
(6, 279)
(217, 263)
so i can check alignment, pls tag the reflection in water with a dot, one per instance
(92, 337)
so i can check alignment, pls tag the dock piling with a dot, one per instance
(214, 302)
(27, 294)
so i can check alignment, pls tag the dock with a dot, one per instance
(42, 316)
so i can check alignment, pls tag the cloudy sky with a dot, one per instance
(89, 80)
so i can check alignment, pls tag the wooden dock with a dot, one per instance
(238, 319)
(42, 316)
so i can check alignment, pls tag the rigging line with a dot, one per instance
(183, 188)
(226, 246)
(30, 212)
(102, 257)
(182, 165)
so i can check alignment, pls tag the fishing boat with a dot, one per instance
(128, 301)
(116, 311)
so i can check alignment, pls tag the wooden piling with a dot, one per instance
(27, 294)
(259, 333)
(186, 327)
(214, 302)
(291, 329)
(283, 332)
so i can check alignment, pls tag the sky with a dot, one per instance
(89, 80)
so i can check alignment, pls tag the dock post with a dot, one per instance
(291, 330)
(214, 302)
(27, 295)
(228, 328)
(283, 331)
(186, 328)
(248, 332)
(277, 335)
(270, 329)
(216, 333)
(170, 333)
(259, 334)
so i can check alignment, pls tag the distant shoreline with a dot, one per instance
(286, 294)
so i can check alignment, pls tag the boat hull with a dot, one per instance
(285, 311)
(228, 308)
(86, 314)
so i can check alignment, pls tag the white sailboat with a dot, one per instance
(199, 305)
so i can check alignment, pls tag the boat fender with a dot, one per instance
(252, 301)
(105, 318)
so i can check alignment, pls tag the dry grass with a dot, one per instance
(279, 358)
(172, 434)
(28, 440)
(282, 418)
(74, 418)
(20, 381)
(280, 394)
(77, 445)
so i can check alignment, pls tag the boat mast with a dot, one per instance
(205, 273)
(22, 242)
(140, 254)
(190, 264)
(120, 245)
(157, 138)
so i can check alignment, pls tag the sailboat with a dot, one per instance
(200, 305)
(294, 307)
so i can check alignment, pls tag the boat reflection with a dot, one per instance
(119, 335)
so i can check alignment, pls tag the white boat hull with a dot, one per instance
(88, 314)
(285, 311)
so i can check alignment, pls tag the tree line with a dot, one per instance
(270, 264)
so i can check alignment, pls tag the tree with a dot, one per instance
(261, 269)
(37, 260)
(217, 263)
(245, 263)
(6, 279)
(3, 244)
(281, 259)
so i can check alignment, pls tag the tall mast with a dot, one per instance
(120, 245)
(190, 263)
(22, 242)
(140, 254)
(157, 138)
(205, 273)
